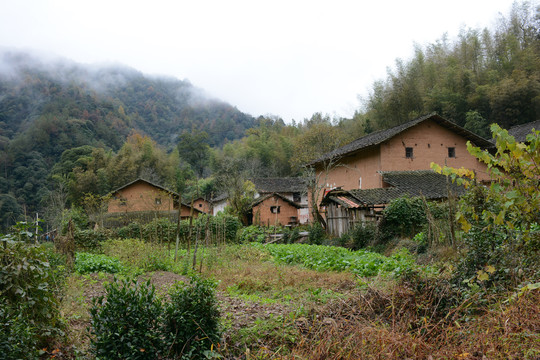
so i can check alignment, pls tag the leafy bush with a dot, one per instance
(316, 234)
(18, 337)
(192, 319)
(127, 323)
(90, 240)
(252, 233)
(130, 322)
(89, 263)
(27, 285)
(404, 216)
(363, 234)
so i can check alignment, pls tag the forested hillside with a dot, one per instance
(484, 76)
(48, 107)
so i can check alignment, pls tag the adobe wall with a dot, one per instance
(202, 205)
(140, 196)
(262, 214)
(430, 143)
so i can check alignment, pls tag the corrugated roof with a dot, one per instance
(378, 137)
(520, 132)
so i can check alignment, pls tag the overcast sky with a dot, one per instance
(287, 58)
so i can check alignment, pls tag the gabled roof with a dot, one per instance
(412, 183)
(279, 185)
(145, 181)
(379, 137)
(263, 198)
(520, 132)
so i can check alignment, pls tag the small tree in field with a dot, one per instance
(501, 221)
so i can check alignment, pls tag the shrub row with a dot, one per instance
(132, 323)
(222, 229)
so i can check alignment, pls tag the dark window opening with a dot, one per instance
(158, 201)
(409, 152)
(274, 209)
(200, 205)
(451, 152)
(296, 197)
(123, 202)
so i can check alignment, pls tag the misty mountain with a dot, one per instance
(79, 105)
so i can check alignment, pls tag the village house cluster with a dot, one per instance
(352, 183)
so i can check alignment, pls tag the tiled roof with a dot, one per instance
(279, 185)
(413, 183)
(378, 137)
(377, 196)
(422, 183)
(263, 198)
(520, 132)
(146, 181)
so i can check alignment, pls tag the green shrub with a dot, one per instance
(192, 319)
(252, 233)
(18, 337)
(89, 263)
(404, 217)
(363, 235)
(131, 231)
(316, 234)
(126, 324)
(90, 240)
(27, 285)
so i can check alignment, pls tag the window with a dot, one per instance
(200, 205)
(409, 152)
(123, 202)
(274, 209)
(296, 197)
(451, 152)
(158, 201)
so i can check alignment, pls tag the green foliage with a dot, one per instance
(90, 263)
(126, 324)
(130, 322)
(404, 216)
(316, 234)
(482, 77)
(252, 233)
(363, 235)
(333, 258)
(501, 221)
(90, 240)
(18, 337)
(27, 288)
(192, 319)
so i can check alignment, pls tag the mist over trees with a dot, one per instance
(89, 130)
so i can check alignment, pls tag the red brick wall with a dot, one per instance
(262, 214)
(140, 196)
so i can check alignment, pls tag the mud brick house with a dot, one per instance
(346, 208)
(411, 146)
(277, 200)
(275, 209)
(144, 200)
(292, 189)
